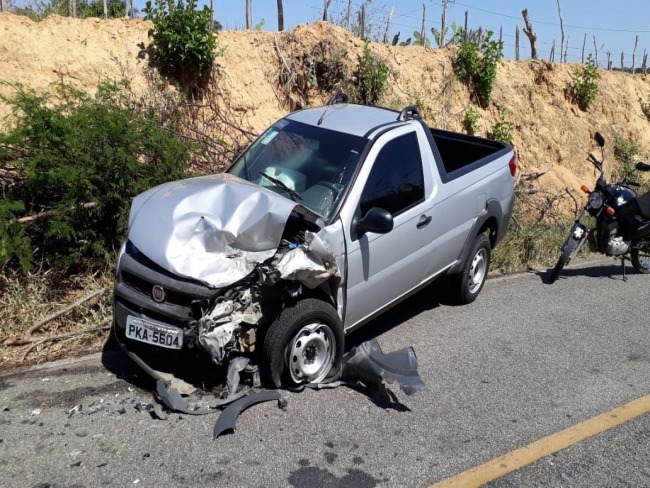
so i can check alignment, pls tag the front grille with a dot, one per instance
(136, 277)
(143, 286)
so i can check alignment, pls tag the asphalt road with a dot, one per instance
(524, 361)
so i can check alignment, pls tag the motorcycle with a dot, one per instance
(620, 224)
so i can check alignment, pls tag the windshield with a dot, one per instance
(310, 165)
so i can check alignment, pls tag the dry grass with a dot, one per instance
(26, 300)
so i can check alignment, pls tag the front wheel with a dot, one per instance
(565, 258)
(641, 259)
(470, 281)
(304, 344)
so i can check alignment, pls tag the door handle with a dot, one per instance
(424, 221)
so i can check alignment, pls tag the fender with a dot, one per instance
(494, 220)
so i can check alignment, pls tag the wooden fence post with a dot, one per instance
(559, 12)
(390, 16)
(609, 60)
(551, 57)
(644, 65)
(280, 15)
(622, 63)
(2, 8)
(362, 20)
(326, 5)
(636, 42)
(566, 50)
(423, 32)
(584, 42)
(517, 43)
(249, 14)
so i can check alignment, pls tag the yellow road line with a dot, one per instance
(546, 446)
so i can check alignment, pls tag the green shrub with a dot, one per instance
(502, 130)
(79, 161)
(477, 66)
(584, 86)
(371, 76)
(470, 121)
(625, 152)
(182, 38)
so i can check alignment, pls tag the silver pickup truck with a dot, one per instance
(333, 215)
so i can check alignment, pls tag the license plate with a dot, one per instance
(155, 333)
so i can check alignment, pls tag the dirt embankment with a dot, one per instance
(548, 128)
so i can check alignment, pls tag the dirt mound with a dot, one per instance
(548, 129)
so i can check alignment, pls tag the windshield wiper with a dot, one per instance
(292, 193)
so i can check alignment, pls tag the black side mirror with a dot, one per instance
(600, 140)
(376, 220)
(641, 166)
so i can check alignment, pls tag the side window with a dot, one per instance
(396, 181)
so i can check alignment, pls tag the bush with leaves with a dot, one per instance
(584, 86)
(182, 38)
(502, 130)
(625, 152)
(477, 66)
(78, 162)
(470, 121)
(371, 76)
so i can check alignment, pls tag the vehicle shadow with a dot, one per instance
(612, 271)
(116, 361)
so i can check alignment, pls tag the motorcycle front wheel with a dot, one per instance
(641, 259)
(565, 257)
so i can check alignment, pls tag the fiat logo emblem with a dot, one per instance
(158, 293)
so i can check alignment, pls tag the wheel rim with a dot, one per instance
(311, 353)
(477, 271)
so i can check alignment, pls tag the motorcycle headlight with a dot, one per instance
(596, 200)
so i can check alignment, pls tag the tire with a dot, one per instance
(565, 258)
(303, 345)
(641, 259)
(470, 280)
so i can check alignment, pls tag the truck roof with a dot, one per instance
(349, 118)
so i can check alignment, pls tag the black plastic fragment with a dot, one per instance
(228, 419)
(369, 365)
(175, 401)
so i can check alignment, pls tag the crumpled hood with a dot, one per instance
(213, 229)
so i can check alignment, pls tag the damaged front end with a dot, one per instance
(210, 262)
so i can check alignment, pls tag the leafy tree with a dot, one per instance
(79, 160)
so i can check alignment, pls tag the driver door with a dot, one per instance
(383, 267)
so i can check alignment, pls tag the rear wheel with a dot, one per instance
(641, 259)
(470, 281)
(565, 258)
(304, 344)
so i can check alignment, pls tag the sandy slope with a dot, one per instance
(548, 128)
